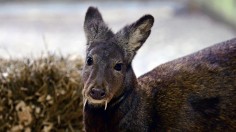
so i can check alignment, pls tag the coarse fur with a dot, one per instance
(196, 92)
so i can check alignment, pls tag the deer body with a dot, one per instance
(196, 92)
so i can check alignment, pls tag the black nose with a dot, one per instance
(97, 93)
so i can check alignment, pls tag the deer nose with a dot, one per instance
(97, 93)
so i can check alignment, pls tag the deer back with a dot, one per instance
(196, 92)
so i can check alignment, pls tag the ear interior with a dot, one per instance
(141, 31)
(132, 37)
(145, 23)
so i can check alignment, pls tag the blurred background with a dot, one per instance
(32, 28)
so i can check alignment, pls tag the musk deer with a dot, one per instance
(192, 93)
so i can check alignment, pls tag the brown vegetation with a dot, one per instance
(40, 95)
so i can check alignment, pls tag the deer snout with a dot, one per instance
(97, 93)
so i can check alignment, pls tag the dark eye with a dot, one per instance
(89, 61)
(118, 67)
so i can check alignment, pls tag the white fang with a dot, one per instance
(105, 105)
(85, 101)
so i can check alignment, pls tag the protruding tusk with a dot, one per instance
(105, 105)
(85, 101)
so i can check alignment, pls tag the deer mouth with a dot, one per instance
(90, 99)
(94, 102)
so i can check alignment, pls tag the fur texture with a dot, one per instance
(196, 92)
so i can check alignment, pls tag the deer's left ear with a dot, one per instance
(94, 26)
(132, 37)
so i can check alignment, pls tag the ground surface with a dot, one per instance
(31, 29)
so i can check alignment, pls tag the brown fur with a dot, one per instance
(196, 92)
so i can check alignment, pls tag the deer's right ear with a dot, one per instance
(132, 37)
(94, 26)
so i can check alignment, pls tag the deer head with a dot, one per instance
(107, 72)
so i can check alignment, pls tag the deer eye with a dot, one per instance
(118, 67)
(89, 61)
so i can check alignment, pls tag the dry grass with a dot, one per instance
(41, 95)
